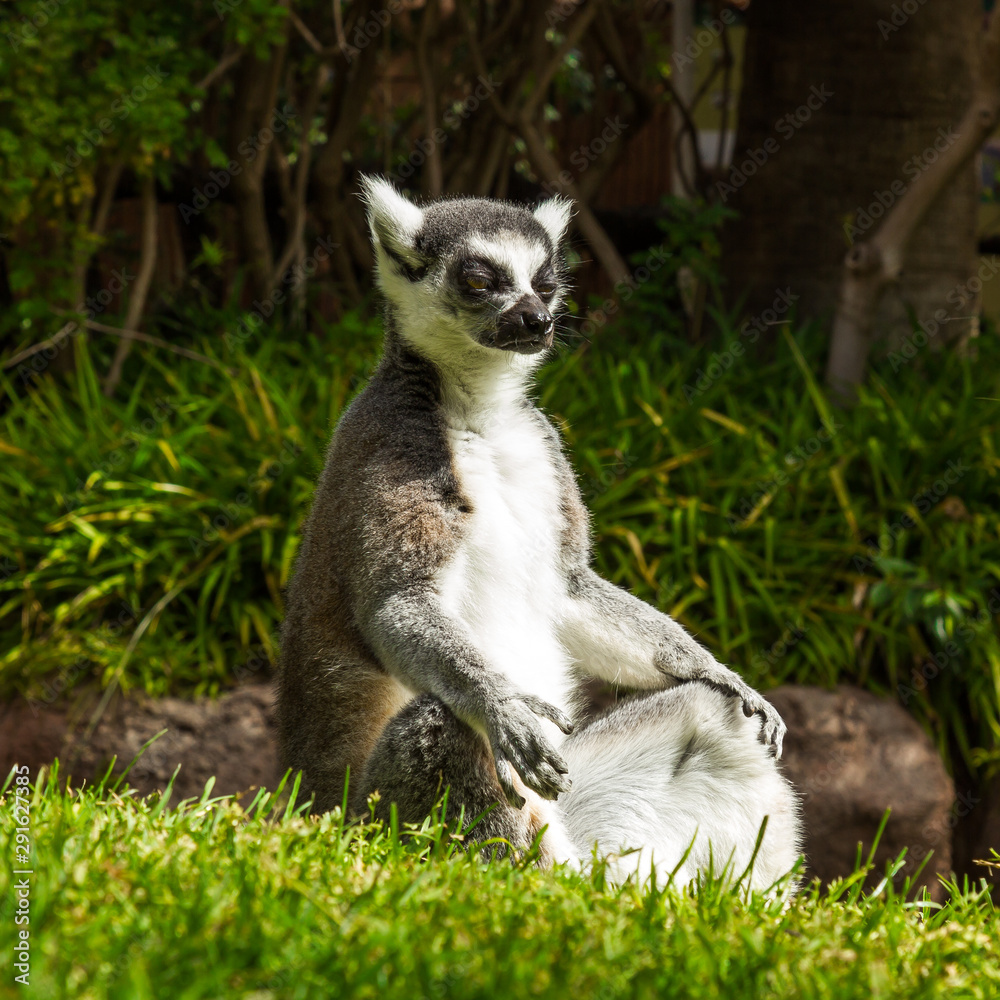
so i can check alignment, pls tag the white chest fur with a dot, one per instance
(504, 584)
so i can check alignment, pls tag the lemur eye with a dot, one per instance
(476, 282)
(545, 288)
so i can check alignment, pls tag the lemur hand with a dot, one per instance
(707, 669)
(773, 730)
(519, 743)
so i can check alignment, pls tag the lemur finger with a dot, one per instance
(563, 783)
(767, 725)
(773, 733)
(556, 781)
(506, 778)
(549, 757)
(550, 712)
(778, 737)
(544, 755)
(546, 782)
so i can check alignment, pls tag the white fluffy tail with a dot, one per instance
(680, 777)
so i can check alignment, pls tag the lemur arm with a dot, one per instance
(428, 650)
(617, 637)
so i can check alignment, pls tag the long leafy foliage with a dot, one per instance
(146, 539)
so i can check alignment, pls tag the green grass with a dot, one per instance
(145, 540)
(215, 900)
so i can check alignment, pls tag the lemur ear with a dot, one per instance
(554, 215)
(394, 220)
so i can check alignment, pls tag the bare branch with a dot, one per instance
(514, 10)
(107, 197)
(689, 129)
(72, 326)
(303, 29)
(724, 114)
(338, 24)
(221, 68)
(295, 248)
(434, 174)
(479, 64)
(610, 41)
(147, 338)
(548, 167)
(69, 328)
(576, 31)
(276, 65)
(140, 290)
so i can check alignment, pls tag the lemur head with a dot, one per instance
(469, 275)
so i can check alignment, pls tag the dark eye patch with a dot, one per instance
(476, 276)
(544, 282)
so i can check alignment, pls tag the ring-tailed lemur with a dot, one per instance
(443, 608)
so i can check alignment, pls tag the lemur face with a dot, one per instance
(469, 275)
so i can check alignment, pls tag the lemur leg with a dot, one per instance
(683, 766)
(425, 749)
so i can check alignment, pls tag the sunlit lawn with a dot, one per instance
(215, 898)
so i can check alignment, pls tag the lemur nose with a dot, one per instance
(536, 321)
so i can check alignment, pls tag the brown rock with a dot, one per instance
(30, 733)
(978, 813)
(230, 738)
(852, 755)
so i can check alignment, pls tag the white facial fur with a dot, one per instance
(392, 219)
(425, 312)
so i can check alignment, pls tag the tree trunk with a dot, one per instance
(250, 140)
(353, 82)
(873, 264)
(844, 106)
(682, 73)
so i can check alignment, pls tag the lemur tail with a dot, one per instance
(681, 774)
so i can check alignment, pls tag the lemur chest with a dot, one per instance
(504, 582)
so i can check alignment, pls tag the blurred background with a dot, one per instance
(778, 381)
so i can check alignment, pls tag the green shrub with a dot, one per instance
(801, 542)
(147, 539)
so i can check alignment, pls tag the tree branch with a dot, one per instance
(520, 122)
(576, 31)
(140, 290)
(147, 338)
(43, 345)
(107, 197)
(303, 29)
(479, 64)
(295, 247)
(434, 184)
(547, 165)
(610, 41)
(724, 111)
(220, 68)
